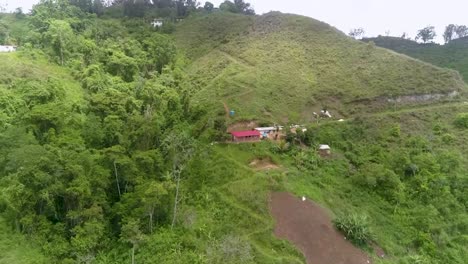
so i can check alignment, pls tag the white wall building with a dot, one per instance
(7, 48)
(157, 23)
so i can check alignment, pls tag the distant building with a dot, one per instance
(245, 136)
(324, 150)
(157, 23)
(265, 130)
(7, 48)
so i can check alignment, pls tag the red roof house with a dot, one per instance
(245, 136)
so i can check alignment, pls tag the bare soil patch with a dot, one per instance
(309, 227)
(264, 163)
(243, 125)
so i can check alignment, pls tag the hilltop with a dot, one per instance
(284, 66)
(453, 55)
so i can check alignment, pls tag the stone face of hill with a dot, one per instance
(285, 66)
(453, 55)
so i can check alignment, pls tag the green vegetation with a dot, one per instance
(355, 227)
(462, 120)
(278, 67)
(453, 55)
(107, 130)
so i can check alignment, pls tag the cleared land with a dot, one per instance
(308, 226)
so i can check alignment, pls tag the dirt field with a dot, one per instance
(263, 164)
(308, 226)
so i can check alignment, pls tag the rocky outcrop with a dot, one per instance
(420, 98)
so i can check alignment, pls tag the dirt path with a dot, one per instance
(226, 109)
(308, 226)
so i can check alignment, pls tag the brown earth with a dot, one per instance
(242, 125)
(263, 164)
(309, 227)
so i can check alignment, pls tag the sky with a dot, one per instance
(377, 17)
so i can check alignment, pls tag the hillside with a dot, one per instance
(110, 153)
(453, 55)
(284, 66)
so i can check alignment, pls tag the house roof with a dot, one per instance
(265, 128)
(247, 133)
(324, 147)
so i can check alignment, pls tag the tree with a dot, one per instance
(131, 234)
(153, 195)
(228, 6)
(356, 33)
(61, 38)
(84, 5)
(426, 34)
(98, 7)
(449, 32)
(19, 13)
(461, 31)
(208, 6)
(179, 147)
(239, 6)
(244, 7)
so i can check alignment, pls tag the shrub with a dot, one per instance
(448, 138)
(355, 227)
(461, 120)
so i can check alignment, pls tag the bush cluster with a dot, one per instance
(355, 227)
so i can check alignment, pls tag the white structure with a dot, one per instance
(324, 150)
(7, 48)
(325, 113)
(265, 129)
(157, 23)
(324, 147)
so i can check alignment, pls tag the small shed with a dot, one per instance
(324, 150)
(157, 23)
(7, 48)
(245, 136)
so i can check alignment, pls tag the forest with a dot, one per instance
(108, 154)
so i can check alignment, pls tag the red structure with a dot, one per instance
(245, 136)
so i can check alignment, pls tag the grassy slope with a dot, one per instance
(453, 55)
(283, 66)
(243, 194)
(34, 67)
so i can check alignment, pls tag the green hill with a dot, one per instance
(284, 66)
(453, 55)
(109, 152)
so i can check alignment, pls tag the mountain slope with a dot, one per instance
(453, 55)
(285, 65)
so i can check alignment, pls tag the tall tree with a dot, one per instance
(208, 6)
(449, 32)
(131, 234)
(356, 33)
(238, 6)
(244, 7)
(61, 36)
(426, 34)
(179, 147)
(461, 31)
